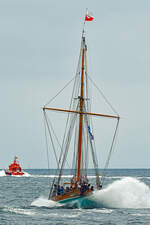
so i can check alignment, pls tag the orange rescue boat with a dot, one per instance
(14, 168)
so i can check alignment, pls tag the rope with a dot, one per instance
(59, 91)
(51, 139)
(110, 152)
(67, 143)
(46, 142)
(102, 94)
(49, 122)
(71, 102)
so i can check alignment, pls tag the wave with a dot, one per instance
(70, 176)
(2, 174)
(50, 176)
(44, 202)
(125, 193)
(19, 211)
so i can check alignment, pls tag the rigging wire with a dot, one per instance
(87, 103)
(78, 67)
(70, 117)
(51, 139)
(49, 122)
(102, 94)
(59, 91)
(46, 142)
(93, 156)
(110, 152)
(74, 151)
(74, 162)
(72, 102)
(67, 144)
(47, 153)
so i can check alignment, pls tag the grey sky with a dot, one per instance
(39, 48)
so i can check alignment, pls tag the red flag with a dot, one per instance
(89, 17)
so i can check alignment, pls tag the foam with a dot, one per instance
(26, 174)
(2, 174)
(19, 211)
(44, 202)
(125, 193)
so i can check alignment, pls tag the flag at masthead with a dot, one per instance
(89, 16)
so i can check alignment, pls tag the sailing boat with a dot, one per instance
(78, 124)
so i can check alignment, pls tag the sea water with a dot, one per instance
(124, 199)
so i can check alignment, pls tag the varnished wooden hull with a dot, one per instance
(71, 196)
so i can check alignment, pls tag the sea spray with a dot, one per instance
(125, 193)
(2, 174)
(26, 174)
(19, 211)
(44, 202)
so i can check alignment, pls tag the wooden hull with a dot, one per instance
(72, 196)
(86, 202)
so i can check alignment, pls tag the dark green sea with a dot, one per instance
(125, 199)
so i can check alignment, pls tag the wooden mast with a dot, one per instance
(81, 114)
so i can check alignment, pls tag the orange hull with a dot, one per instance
(9, 173)
(18, 173)
(14, 169)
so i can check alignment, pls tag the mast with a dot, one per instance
(81, 99)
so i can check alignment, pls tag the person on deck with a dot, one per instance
(100, 186)
(58, 190)
(92, 188)
(67, 189)
(62, 190)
